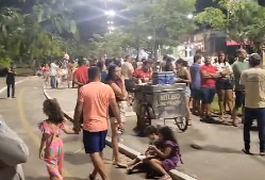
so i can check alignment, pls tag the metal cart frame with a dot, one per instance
(147, 114)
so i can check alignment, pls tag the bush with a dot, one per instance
(5, 62)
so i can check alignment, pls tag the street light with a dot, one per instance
(110, 22)
(111, 28)
(110, 13)
(190, 16)
(149, 37)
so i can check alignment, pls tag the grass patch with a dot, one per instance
(25, 71)
(215, 106)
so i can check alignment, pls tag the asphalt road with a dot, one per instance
(24, 113)
(219, 156)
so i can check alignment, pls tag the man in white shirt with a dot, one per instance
(127, 72)
(53, 73)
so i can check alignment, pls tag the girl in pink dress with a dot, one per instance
(51, 147)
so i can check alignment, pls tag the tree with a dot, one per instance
(242, 21)
(165, 20)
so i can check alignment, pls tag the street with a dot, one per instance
(219, 156)
(25, 112)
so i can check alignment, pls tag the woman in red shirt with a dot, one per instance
(208, 76)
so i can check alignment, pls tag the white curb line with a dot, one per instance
(131, 153)
(18, 82)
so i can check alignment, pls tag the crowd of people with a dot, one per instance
(105, 86)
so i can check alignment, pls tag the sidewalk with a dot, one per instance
(220, 157)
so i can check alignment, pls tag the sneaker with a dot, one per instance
(247, 151)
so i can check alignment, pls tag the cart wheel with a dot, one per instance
(147, 115)
(143, 119)
(182, 123)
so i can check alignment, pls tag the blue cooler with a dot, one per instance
(162, 78)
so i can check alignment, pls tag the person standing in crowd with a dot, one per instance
(143, 74)
(13, 153)
(127, 72)
(183, 76)
(253, 80)
(196, 85)
(238, 67)
(94, 100)
(81, 77)
(46, 74)
(81, 74)
(11, 81)
(224, 86)
(53, 74)
(208, 75)
(169, 65)
(100, 65)
(116, 82)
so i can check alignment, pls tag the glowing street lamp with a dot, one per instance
(110, 13)
(111, 28)
(149, 37)
(110, 22)
(190, 16)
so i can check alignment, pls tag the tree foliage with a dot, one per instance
(241, 21)
(37, 35)
(165, 20)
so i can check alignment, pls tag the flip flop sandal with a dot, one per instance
(165, 178)
(121, 165)
(129, 171)
(90, 177)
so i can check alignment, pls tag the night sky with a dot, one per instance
(90, 16)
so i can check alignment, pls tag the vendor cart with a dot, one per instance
(161, 102)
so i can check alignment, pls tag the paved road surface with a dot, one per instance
(3, 81)
(24, 113)
(220, 157)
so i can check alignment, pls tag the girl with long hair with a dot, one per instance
(183, 76)
(167, 156)
(51, 146)
(224, 85)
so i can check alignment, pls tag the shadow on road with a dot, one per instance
(46, 178)
(77, 158)
(217, 149)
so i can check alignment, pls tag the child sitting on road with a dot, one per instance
(167, 155)
(137, 164)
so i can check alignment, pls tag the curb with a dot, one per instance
(131, 153)
(18, 82)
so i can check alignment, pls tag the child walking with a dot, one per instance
(51, 146)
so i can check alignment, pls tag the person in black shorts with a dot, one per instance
(224, 85)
